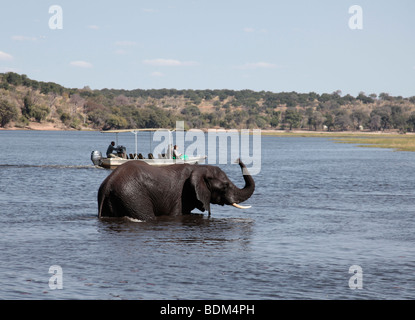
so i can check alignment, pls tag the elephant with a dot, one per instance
(140, 191)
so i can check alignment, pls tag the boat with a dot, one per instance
(122, 156)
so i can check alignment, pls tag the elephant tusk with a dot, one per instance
(240, 207)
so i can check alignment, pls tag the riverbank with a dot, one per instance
(43, 126)
(392, 139)
(51, 126)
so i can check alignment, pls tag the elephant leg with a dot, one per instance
(142, 215)
(139, 209)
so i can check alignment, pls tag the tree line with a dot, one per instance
(23, 100)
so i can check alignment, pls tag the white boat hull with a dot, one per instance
(113, 163)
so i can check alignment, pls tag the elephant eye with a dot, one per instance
(225, 186)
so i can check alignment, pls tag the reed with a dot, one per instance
(398, 142)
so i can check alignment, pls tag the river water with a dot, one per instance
(319, 208)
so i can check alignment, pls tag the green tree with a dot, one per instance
(375, 122)
(13, 78)
(158, 119)
(365, 99)
(191, 110)
(317, 120)
(98, 117)
(411, 122)
(65, 117)
(27, 105)
(293, 118)
(385, 116)
(385, 96)
(398, 118)
(39, 112)
(115, 122)
(342, 121)
(275, 119)
(359, 117)
(8, 112)
(329, 122)
(36, 111)
(261, 122)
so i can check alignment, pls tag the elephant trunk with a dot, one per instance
(241, 195)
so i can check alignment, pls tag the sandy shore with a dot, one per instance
(48, 126)
(45, 126)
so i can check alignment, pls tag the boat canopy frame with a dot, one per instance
(136, 131)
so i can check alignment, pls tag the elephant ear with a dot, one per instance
(198, 181)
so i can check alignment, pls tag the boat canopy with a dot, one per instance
(136, 131)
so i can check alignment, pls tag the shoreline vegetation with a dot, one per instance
(366, 120)
(389, 140)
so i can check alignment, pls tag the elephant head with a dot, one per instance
(211, 185)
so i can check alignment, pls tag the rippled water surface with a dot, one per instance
(319, 208)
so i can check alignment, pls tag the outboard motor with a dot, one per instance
(96, 157)
(121, 149)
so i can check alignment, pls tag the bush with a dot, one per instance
(39, 112)
(8, 112)
(65, 117)
(116, 122)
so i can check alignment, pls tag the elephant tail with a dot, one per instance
(100, 204)
(101, 201)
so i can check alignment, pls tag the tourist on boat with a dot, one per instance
(176, 153)
(111, 149)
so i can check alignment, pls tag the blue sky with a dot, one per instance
(266, 45)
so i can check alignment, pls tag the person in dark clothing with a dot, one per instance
(111, 149)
